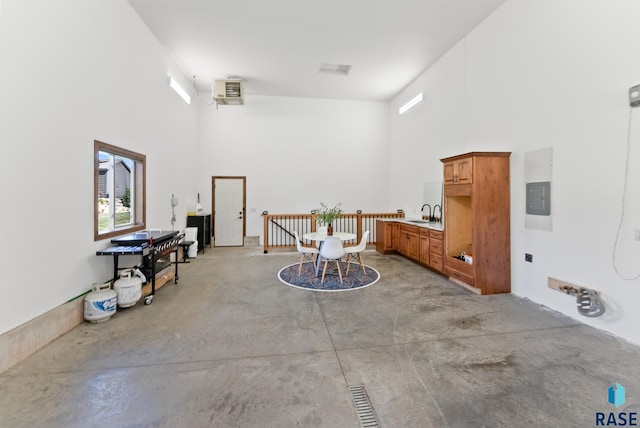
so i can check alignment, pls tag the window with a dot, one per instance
(119, 191)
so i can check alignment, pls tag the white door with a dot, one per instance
(228, 218)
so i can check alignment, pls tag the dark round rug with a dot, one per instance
(308, 281)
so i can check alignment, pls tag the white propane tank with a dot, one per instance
(192, 251)
(129, 287)
(100, 304)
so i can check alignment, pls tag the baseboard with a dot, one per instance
(251, 241)
(24, 340)
(465, 285)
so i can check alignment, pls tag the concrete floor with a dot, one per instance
(232, 346)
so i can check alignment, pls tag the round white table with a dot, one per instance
(320, 237)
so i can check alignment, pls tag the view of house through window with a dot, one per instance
(119, 190)
(114, 191)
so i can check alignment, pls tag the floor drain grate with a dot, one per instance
(364, 410)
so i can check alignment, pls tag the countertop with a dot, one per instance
(412, 221)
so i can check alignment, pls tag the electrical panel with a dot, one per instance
(539, 198)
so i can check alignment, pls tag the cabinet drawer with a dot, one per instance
(409, 229)
(436, 246)
(458, 265)
(436, 261)
(467, 279)
(436, 234)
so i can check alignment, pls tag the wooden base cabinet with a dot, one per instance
(409, 242)
(420, 244)
(386, 237)
(477, 221)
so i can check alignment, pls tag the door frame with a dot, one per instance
(244, 203)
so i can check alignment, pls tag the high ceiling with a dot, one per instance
(278, 46)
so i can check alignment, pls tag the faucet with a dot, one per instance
(427, 205)
(439, 216)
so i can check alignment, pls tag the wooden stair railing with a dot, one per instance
(278, 228)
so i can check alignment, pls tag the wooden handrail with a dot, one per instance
(278, 228)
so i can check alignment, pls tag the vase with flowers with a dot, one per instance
(327, 215)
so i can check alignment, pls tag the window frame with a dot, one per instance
(140, 192)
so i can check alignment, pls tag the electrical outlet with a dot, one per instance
(528, 257)
(636, 234)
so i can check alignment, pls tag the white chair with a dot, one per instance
(331, 250)
(320, 229)
(354, 253)
(307, 253)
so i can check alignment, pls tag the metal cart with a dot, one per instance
(154, 246)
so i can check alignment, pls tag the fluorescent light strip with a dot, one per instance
(183, 94)
(410, 104)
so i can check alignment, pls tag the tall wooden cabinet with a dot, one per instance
(477, 221)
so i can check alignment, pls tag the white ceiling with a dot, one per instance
(277, 46)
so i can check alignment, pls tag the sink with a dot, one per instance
(417, 221)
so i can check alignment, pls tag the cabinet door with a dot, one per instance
(386, 237)
(458, 172)
(464, 171)
(402, 243)
(413, 246)
(449, 173)
(408, 241)
(424, 247)
(389, 237)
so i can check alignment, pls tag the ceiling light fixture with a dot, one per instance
(405, 108)
(340, 69)
(183, 94)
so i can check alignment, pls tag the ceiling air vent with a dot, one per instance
(228, 92)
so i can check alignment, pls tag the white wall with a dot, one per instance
(543, 74)
(431, 130)
(537, 74)
(296, 153)
(74, 71)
